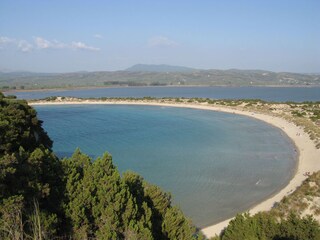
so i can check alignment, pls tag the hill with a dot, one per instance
(158, 68)
(155, 75)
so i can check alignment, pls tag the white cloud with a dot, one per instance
(40, 43)
(6, 40)
(161, 41)
(24, 46)
(21, 45)
(57, 44)
(98, 36)
(81, 45)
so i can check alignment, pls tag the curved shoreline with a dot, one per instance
(307, 152)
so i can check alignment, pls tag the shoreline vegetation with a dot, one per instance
(300, 121)
(67, 88)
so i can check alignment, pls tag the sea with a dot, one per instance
(215, 164)
(277, 94)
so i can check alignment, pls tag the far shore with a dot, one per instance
(308, 159)
(145, 86)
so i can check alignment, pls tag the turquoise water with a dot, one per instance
(215, 164)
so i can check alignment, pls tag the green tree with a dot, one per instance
(259, 227)
(115, 210)
(159, 202)
(29, 171)
(20, 127)
(167, 222)
(296, 228)
(78, 195)
(176, 226)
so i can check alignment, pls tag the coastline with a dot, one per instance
(57, 89)
(307, 152)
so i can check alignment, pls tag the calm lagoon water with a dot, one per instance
(279, 94)
(215, 164)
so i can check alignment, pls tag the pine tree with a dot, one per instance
(176, 226)
(29, 171)
(78, 194)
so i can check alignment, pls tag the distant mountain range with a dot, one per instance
(155, 75)
(158, 68)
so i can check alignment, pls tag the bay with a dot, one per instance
(214, 164)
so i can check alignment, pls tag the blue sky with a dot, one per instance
(66, 36)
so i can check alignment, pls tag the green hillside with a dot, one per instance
(155, 75)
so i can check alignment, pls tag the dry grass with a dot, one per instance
(303, 201)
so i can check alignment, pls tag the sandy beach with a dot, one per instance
(308, 160)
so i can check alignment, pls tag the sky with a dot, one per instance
(69, 35)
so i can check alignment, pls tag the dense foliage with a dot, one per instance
(42, 197)
(266, 226)
(29, 172)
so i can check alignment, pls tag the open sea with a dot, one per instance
(214, 164)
